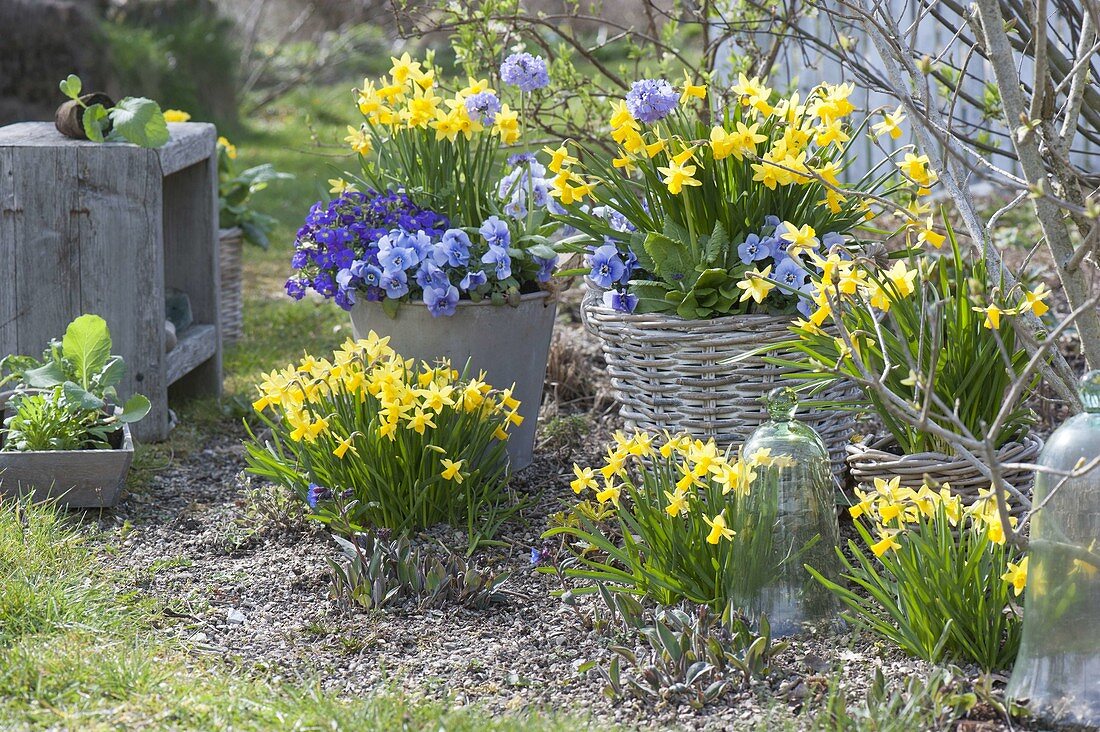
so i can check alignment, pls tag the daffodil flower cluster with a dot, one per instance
(939, 577)
(725, 210)
(414, 445)
(914, 321)
(683, 519)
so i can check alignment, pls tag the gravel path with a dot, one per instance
(253, 590)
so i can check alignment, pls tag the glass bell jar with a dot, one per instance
(1057, 672)
(792, 493)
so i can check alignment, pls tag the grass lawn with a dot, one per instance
(80, 652)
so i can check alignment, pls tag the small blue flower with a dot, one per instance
(805, 303)
(498, 257)
(772, 221)
(440, 300)
(751, 250)
(790, 273)
(473, 280)
(525, 71)
(546, 268)
(430, 275)
(607, 266)
(317, 493)
(296, 288)
(651, 100)
(453, 249)
(367, 272)
(395, 283)
(324, 284)
(622, 301)
(398, 258)
(495, 232)
(345, 298)
(832, 239)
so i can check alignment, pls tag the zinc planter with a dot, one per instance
(76, 478)
(880, 458)
(698, 376)
(510, 344)
(230, 250)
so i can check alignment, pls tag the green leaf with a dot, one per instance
(87, 345)
(140, 121)
(717, 245)
(71, 86)
(671, 259)
(136, 408)
(79, 396)
(390, 306)
(45, 376)
(94, 121)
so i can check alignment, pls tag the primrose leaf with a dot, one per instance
(136, 408)
(140, 121)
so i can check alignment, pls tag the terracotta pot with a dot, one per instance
(69, 118)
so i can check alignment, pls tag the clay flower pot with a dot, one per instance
(69, 118)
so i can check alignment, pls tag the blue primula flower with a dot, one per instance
(790, 273)
(525, 71)
(498, 257)
(622, 301)
(651, 100)
(395, 283)
(474, 278)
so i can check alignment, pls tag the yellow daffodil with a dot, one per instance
(339, 185)
(801, 239)
(928, 235)
(992, 315)
(452, 470)
(420, 421)
(344, 447)
(559, 158)
(176, 115)
(678, 173)
(586, 478)
(1033, 300)
(718, 529)
(403, 68)
(677, 503)
(1017, 575)
(756, 285)
(611, 492)
(359, 140)
(620, 115)
(697, 91)
(890, 124)
(885, 543)
(752, 93)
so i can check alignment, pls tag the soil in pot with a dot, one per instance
(69, 118)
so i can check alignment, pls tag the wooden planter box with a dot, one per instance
(76, 478)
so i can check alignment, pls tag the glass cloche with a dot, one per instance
(1057, 672)
(793, 490)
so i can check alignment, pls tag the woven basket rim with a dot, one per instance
(676, 320)
(233, 232)
(875, 447)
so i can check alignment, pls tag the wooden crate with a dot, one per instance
(105, 228)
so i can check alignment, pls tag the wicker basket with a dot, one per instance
(230, 246)
(676, 374)
(876, 458)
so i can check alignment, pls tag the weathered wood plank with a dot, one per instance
(196, 345)
(191, 259)
(47, 253)
(9, 303)
(122, 269)
(191, 143)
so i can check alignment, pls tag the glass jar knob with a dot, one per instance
(781, 404)
(1090, 391)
